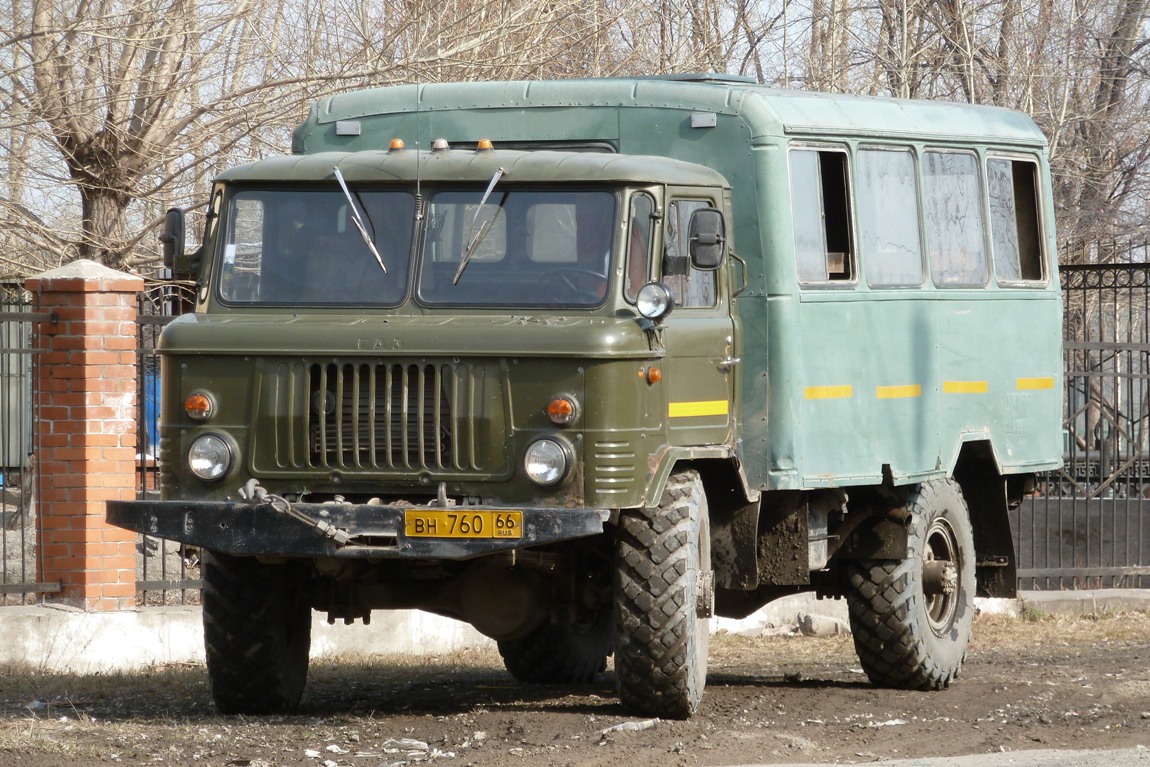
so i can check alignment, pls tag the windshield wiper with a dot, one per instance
(473, 241)
(357, 219)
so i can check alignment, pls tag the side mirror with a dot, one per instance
(707, 239)
(172, 238)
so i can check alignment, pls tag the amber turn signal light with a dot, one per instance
(199, 406)
(561, 410)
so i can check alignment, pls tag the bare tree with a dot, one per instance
(140, 99)
(111, 110)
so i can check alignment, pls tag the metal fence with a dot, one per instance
(1090, 528)
(167, 573)
(19, 480)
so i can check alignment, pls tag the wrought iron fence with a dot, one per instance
(1090, 527)
(19, 479)
(166, 571)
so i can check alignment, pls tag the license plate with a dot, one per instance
(435, 523)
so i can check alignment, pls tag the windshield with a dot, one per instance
(506, 247)
(516, 247)
(303, 247)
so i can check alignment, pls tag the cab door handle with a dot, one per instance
(728, 363)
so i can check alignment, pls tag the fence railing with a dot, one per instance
(1090, 528)
(19, 480)
(167, 572)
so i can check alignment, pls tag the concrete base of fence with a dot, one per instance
(1085, 602)
(62, 639)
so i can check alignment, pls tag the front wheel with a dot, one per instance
(911, 618)
(663, 601)
(257, 634)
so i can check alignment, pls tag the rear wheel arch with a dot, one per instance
(989, 495)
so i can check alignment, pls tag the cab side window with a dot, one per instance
(690, 287)
(638, 244)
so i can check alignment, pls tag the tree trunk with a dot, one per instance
(102, 238)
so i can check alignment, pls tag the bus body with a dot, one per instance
(585, 362)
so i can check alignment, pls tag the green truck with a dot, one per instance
(585, 363)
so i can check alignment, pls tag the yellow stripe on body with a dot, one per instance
(692, 409)
(1035, 384)
(964, 387)
(829, 392)
(898, 392)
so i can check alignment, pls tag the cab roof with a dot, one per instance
(476, 166)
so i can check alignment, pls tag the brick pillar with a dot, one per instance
(86, 431)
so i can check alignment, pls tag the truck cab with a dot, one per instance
(436, 379)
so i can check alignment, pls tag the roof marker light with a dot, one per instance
(440, 145)
(484, 145)
(396, 144)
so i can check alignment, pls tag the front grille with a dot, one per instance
(364, 415)
(380, 419)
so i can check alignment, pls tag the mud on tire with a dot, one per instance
(663, 561)
(911, 618)
(257, 634)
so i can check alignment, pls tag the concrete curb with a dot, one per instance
(58, 639)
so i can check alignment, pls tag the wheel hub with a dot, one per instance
(939, 577)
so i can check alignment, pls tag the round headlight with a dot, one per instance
(654, 301)
(209, 457)
(545, 462)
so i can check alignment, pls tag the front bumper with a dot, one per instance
(337, 530)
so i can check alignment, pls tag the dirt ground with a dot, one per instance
(1034, 683)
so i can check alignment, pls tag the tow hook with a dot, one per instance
(257, 495)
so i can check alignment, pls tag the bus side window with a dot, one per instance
(1016, 237)
(955, 231)
(820, 208)
(890, 243)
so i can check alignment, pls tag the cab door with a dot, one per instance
(699, 335)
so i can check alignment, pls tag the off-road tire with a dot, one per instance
(662, 556)
(904, 637)
(257, 634)
(561, 653)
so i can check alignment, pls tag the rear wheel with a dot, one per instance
(566, 652)
(257, 634)
(911, 618)
(663, 601)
